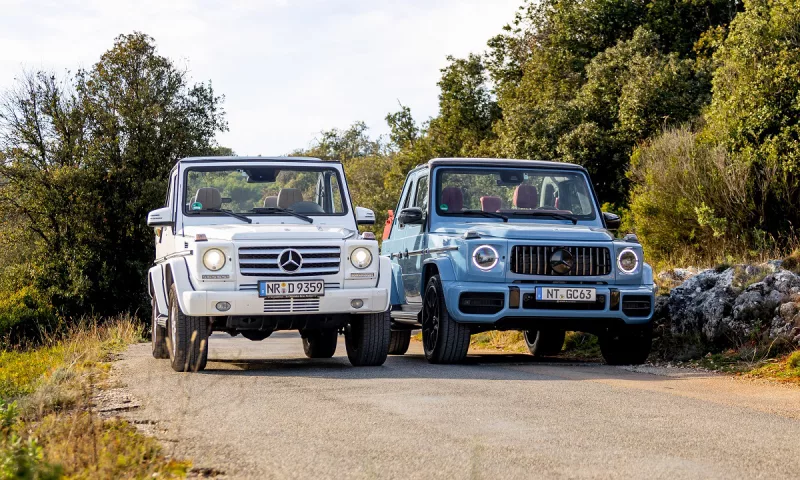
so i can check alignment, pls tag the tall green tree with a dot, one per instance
(86, 157)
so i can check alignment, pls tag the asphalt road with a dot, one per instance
(262, 410)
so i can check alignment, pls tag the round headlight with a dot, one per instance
(361, 258)
(214, 259)
(628, 261)
(485, 257)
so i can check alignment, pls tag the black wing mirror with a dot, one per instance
(410, 216)
(612, 220)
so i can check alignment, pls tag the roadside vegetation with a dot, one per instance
(687, 115)
(49, 421)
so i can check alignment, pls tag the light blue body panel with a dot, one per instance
(453, 291)
(444, 245)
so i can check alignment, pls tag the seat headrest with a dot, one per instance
(526, 196)
(288, 197)
(453, 197)
(209, 198)
(271, 201)
(491, 204)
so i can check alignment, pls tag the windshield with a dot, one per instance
(263, 190)
(514, 193)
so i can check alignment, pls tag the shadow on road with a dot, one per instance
(476, 367)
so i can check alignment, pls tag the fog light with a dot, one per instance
(223, 306)
(357, 303)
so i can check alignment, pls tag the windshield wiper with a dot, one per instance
(229, 213)
(545, 213)
(484, 214)
(283, 211)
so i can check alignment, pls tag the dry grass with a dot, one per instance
(785, 369)
(55, 429)
(510, 341)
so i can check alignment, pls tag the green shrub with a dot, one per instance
(24, 317)
(20, 458)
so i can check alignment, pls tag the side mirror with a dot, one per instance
(410, 216)
(612, 220)
(160, 218)
(365, 216)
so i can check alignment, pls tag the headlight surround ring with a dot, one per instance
(628, 261)
(214, 259)
(361, 258)
(485, 257)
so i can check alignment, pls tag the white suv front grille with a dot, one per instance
(291, 305)
(264, 261)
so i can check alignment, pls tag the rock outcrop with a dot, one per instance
(736, 305)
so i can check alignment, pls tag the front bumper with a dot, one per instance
(506, 314)
(248, 303)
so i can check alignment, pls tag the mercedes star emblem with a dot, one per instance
(561, 261)
(290, 260)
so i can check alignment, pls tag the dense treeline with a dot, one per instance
(686, 113)
(82, 160)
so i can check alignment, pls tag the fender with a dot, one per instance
(176, 271)
(156, 287)
(397, 295)
(444, 266)
(386, 279)
(647, 274)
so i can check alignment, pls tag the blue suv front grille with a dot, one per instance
(535, 260)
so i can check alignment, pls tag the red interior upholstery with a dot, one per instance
(526, 196)
(387, 227)
(453, 197)
(491, 204)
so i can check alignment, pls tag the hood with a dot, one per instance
(247, 232)
(531, 231)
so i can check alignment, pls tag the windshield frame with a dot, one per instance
(437, 193)
(344, 192)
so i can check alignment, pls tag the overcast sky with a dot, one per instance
(288, 68)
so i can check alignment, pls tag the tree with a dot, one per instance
(86, 157)
(403, 128)
(586, 80)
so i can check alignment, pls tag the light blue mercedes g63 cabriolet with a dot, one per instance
(486, 244)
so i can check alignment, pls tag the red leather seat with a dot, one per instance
(453, 198)
(491, 204)
(526, 196)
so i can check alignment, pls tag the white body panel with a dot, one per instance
(180, 249)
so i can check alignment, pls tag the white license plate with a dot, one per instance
(299, 288)
(561, 294)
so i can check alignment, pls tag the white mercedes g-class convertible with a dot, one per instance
(254, 245)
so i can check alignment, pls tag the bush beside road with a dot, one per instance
(52, 421)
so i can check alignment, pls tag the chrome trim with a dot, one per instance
(170, 256)
(428, 251)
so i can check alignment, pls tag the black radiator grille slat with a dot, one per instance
(534, 260)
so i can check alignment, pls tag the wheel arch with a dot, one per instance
(441, 266)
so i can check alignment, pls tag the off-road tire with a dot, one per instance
(367, 339)
(320, 343)
(544, 343)
(628, 345)
(158, 335)
(399, 341)
(188, 338)
(443, 339)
